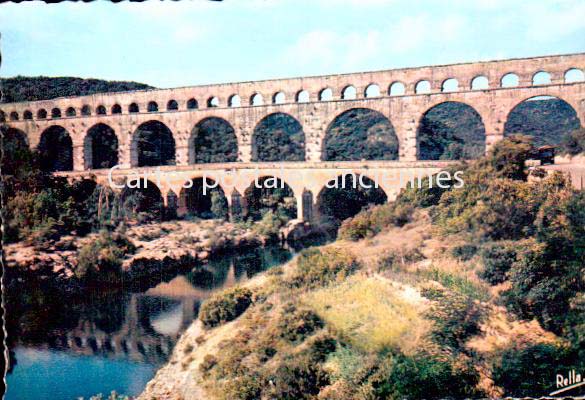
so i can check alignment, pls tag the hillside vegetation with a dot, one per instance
(461, 293)
(24, 88)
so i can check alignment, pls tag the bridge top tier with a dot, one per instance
(405, 81)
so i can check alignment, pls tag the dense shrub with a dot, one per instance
(320, 267)
(455, 315)
(101, 259)
(574, 143)
(297, 378)
(219, 206)
(423, 377)
(295, 324)
(373, 220)
(400, 258)
(497, 258)
(464, 252)
(542, 285)
(531, 371)
(270, 224)
(508, 157)
(225, 306)
(243, 387)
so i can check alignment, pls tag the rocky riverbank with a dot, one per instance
(160, 247)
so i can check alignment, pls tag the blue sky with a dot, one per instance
(194, 42)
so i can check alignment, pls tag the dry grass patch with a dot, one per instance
(373, 313)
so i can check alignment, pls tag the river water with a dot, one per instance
(65, 350)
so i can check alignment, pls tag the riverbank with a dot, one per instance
(159, 248)
(336, 320)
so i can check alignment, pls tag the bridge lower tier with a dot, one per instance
(306, 179)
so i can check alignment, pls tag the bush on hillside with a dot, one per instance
(101, 259)
(424, 376)
(531, 371)
(373, 220)
(321, 267)
(508, 157)
(574, 143)
(297, 378)
(296, 323)
(455, 315)
(497, 258)
(224, 307)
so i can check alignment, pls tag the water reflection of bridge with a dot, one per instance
(140, 338)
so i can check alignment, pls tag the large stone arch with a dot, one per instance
(213, 140)
(360, 134)
(15, 150)
(269, 193)
(278, 137)
(142, 200)
(547, 118)
(346, 195)
(55, 150)
(203, 202)
(100, 147)
(152, 145)
(450, 130)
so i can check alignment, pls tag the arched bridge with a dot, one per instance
(367, 123)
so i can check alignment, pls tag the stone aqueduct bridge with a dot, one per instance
(403, 96)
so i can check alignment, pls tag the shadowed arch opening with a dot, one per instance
(153, 145)
(86, 110)
(192, 104)
(270, 194)
(213, 140)
(70, 112)
(27, 114)
(547, 119)
(172, 105)
(142, 200)
(14, 116)
(152, 106)
(133, 108)
(193, 202)
(55, 113)
(16, 155)
(116, 109)
(100, 147)
(345, 196)
(42, 114)
(450, 131)
(360, 134)
(100, 110)
(2, 116)
(55, 150)
(278, 137)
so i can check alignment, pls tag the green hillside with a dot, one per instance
(24, 88)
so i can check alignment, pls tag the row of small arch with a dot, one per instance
(348, 93)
